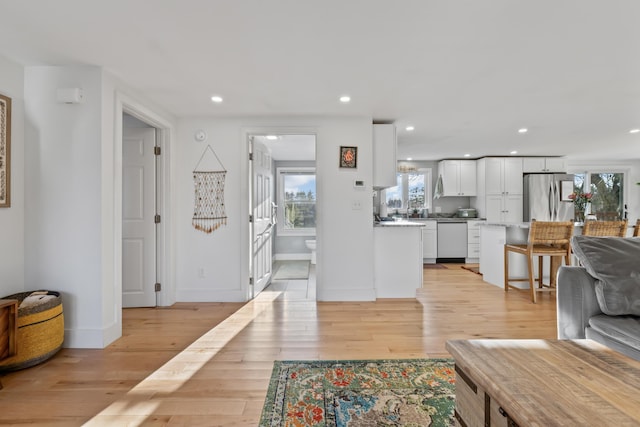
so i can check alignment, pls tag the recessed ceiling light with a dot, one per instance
(345, 98)
(634, 131)
(409, 158)
(217, 99)
(523, 130)
(467, 155)
(514, 152)
(409, 128)
(272, 137)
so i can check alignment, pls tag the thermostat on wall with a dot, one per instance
(72, 95)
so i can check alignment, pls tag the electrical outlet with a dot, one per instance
(356, 205)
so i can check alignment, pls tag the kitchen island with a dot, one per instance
(493, 237)
(397, 249)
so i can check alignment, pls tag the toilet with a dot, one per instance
(311, 244)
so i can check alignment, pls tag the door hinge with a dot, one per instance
(250, 156)
(157, 150)
(158, 287)
(156, 219)
(251, 281)
(250, 218)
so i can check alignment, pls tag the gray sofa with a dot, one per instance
(601, 299)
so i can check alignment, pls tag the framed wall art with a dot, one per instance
(5, 151)
(349, 157)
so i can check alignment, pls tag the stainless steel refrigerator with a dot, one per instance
(546, 197)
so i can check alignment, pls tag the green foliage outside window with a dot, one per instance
(607, 193)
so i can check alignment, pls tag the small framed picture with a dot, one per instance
(566, 190)
(348, 157)
(5, 151)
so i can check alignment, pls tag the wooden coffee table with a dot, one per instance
(544, 383)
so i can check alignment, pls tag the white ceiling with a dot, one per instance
(466, 73)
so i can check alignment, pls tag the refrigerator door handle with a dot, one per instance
(552, 209)
(555, 201)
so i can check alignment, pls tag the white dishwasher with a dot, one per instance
(452, 240)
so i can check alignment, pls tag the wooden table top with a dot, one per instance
(554, 382)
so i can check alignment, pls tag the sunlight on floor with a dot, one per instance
(143, 399)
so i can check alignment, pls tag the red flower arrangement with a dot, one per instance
(580, 199)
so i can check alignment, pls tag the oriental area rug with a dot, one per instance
(359, 393)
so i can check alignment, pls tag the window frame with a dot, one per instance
(281, 172)
(588, 170)
(427, 176)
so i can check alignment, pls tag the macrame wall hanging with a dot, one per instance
(208, 212)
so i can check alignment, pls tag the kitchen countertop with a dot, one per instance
(507, 224)
(447, 219)
(419, 222)
(397, 224)
(528, 224)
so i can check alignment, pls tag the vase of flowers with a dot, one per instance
(580, 203)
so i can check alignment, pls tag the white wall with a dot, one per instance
(12, 218)
(63, 201)
(345, 237)
(72, 206)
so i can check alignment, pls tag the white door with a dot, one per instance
(138, 212)
(263, 211)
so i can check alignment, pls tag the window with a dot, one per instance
(607, 193)
(297, 201)
(413, 192)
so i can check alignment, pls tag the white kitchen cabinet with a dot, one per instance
(503, 175)
(430, 242)
(473, 241)
(544, 164)
(504, 208)
(384, 156)
(500, 189)
(458, 177)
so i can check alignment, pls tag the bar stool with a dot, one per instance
(605, 228)
(636, 229)
(546, 238)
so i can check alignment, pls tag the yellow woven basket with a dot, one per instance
(40, 332)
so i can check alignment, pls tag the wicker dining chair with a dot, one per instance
(546, 238)
(605, 228)
(636, 229)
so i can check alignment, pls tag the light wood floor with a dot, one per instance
(174, 366)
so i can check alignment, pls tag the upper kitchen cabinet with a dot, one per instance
(544, 164)
(384, 156)
(502, 175)
(499, 189)
(458, 177)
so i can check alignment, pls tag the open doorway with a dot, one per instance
(283, 201)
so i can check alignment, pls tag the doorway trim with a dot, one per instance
(164, 268)
(245, 234)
